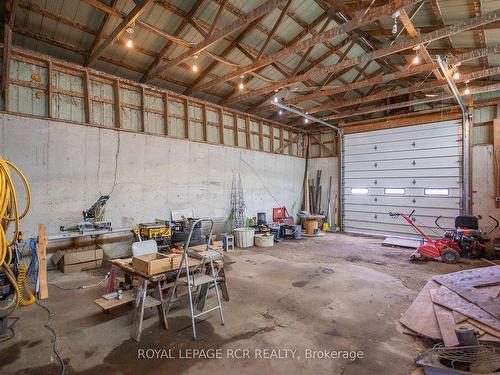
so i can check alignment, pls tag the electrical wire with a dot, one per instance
(9, 213)
(106, 276)
(54, 342)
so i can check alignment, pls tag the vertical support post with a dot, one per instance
(271, 135)
(235, 129)
(10, 6)
(165, 112)
(261, 137)
(41, 252)
(186, 119)
(50, 98)
(86, 97)
(221, 126)
(116, 90)
(143, 109)
(204, 121)
(290, 139)
(496, 156)
(282, 142)
(247, 131)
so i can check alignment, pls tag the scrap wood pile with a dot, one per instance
(467, 298)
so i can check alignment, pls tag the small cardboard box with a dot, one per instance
(75, 260)
(152, 264)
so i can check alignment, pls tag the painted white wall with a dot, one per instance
(69, 166)
(483, 188)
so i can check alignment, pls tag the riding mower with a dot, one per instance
(466, 240)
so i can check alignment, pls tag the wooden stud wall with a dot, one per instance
(108, 101)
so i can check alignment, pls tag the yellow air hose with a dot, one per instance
(9, 212)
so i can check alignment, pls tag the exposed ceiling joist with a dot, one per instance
(397, 47)
(140, 6)
(258, 12)
(304, 45)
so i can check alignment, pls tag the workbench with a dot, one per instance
(159, 282)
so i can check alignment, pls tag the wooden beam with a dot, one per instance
(116, 102)
(41, 252)
(273, 30)
(496, 156)
(140, 7)
(10, 12)
(474, 90)
(397, 47)
(216, 19)
(86, 96)
(50, 98)
(100, 34)
(165, 112)
(433, 85)
(304, 45)
(185, 22)
(258, 12)
(384, 78)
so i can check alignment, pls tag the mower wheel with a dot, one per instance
(448, 255)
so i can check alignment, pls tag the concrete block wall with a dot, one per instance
(69, 166)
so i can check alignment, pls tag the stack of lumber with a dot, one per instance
(467, 298)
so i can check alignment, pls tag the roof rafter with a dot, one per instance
(100, 34)
(140, 6)
(399, 46)
(304, 45)
(219, 34)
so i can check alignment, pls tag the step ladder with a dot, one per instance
(203, 276)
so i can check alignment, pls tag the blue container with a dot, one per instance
(297, 233)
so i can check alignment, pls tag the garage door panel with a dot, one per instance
(398, 155)
(409, 202)
(433, 182)
(440, 129)
(412, 144)
(411, 164)
(436, 172)
(414, 158)
(408, 193)
(421, 211)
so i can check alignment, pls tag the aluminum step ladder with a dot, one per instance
(197, 276)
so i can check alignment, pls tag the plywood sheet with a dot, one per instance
(446, 325)
(420, 315)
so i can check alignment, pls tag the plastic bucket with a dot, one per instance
(262, 240)
(243, 237)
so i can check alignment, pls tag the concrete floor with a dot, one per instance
(335, 292)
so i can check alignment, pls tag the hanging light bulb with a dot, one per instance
(241, 85)
(194, 67)
(280, 112)
(416, 59)
(306, 120)
(456, 75)
(395, 24)
(275, 99)
(467, 89)
(130, 31)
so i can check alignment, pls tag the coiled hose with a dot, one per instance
(9, 212)
(22, 286)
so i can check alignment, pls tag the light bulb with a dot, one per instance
(395, 27)
(416, 60)
(241, 86)
(456, 75)
(467, 91)
(194, 68)
(306, 120)
(275, 99)
(280, 112)
(129, 43)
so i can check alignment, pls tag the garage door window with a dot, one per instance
(440, 192)
(362, 191)
(394, 191)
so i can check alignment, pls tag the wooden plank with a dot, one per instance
(446, 325)
(117, 103)
(459, 318)
(221, 126)
(420, 315)
(186, 118)
(143, 109)
(496, 159)
(165, 112)
(41, 253)
(105, 304)
(466, 283)
(447, 298)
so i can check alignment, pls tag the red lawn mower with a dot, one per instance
(466, 240)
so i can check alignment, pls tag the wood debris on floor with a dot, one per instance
(467, 298)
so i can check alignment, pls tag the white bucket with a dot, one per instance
(262, 240)
(243, 237)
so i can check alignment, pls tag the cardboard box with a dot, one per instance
(152, 264)
(76, 260)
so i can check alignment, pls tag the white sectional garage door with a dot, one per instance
(400, 170)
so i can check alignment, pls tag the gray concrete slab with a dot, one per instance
(333, 293)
